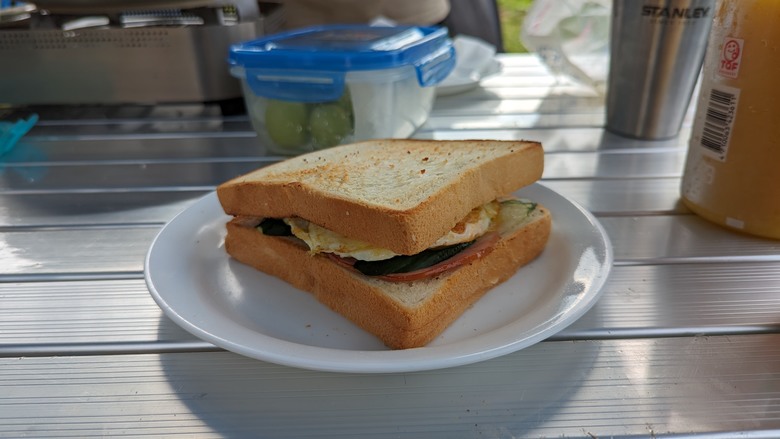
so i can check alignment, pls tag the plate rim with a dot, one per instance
(381, 361)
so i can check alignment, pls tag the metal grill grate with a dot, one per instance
(85, 39)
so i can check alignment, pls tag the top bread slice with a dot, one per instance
(398, 194)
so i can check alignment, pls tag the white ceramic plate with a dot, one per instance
(245, 311)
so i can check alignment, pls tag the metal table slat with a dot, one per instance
(625, 197)
(80, 209)
(122, 147)
(123, 176)
(80, 253)
(642, 388)
(642, 300)
(682, 238)
(513, 121)
(75, 208)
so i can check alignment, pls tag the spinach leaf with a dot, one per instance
(274, 227)
(405, 264)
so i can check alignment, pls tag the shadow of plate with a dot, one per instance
(505, 397)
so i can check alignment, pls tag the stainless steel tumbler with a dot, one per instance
(657, 48)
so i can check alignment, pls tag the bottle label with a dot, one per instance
(730, 57)
(712, 127)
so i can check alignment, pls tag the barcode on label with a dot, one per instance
(718, 121)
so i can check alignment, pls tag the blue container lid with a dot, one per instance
(310, 64)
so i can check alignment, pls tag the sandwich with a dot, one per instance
(399, 236)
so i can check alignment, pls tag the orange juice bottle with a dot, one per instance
(732, 172)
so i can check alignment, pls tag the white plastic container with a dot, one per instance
(328, 85)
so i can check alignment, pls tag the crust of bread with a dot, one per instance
(402, 314)
(416, 189)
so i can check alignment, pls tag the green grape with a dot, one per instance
(287, 123)
(346, 101)
(329, 124)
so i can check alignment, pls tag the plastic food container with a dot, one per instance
(328, 85)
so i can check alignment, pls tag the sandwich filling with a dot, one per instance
(322, 240)
(474, 236)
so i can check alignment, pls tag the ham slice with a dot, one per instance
(481, 247)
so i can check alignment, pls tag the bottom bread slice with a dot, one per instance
(402, 314)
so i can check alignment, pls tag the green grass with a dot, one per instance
(512, 13)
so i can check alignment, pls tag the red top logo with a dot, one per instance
(730, 57)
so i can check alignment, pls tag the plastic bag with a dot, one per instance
(571, 37)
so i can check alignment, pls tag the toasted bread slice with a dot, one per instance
(397, 194)
(402, 314)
